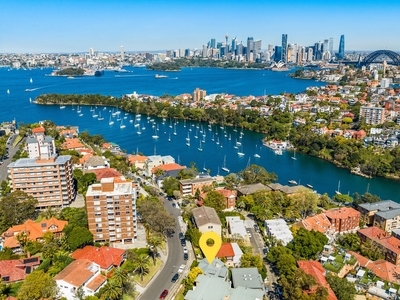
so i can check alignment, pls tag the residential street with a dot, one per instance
(11, 152)
(171, 266)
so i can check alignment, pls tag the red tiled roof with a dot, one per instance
(76, 273)
(15, 269)
(373, 232)
(342, 213)
(105, 173)
(317, 223)
(226, 193)
(316, 270)
(385, 270)
(38, 130)
(362, 260)
(168, 167)
(72, 144)
(96, 282)
(104, 256)
(391, 243)
(136, 158)
(226, 250)
(36, 230)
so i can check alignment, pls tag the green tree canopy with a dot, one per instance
(257, 174)
(38, 285)
(15, 209)
(215, 200)
(307, 244)
(343, 289)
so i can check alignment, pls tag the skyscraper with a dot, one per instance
(284, 48)
(278, 53)
(331, 46)
(250, 47)
(212, 43)
(91, 51)
(122, 53)
(341, 47)
(234, 45)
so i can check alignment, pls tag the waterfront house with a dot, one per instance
(106, 257)
(188, 187)
(368, 210)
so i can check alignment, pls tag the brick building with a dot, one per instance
(111, 209)
(345, 219)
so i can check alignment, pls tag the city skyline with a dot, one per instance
(44, 26)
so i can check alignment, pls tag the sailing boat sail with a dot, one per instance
(200, 148)
(100, 118)
(294, 155)
(111, 122)
(122, 124)
(240, 153)
(338, 189)
(224, 168)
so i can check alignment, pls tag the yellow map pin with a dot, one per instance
(210, 251)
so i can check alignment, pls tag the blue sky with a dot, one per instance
(76, 26)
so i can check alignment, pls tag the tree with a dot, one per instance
(371, 250)
(15, 209)
(215, 200)
(193, 235)
(79, 236)
(343, 198)
(170, 184)
(307, 244)
(343, 289)
(249, 260)
(257, 174)
(38, 285)
(305, 201)
(191, 277)
(141, 265)
(231, 180)
(111, 291)
(154, 242)
(159, 172)
(349, 241)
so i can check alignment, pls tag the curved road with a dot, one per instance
(175, 259)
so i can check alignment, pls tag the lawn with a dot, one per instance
(334, 268)
(153, 269)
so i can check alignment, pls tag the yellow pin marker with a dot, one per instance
(210, 251)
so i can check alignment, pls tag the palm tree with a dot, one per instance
(120, 276)
(154, 242)
(141, 265)
(111, 291)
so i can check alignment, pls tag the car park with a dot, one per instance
(185, 256)
(164, 294)
(175, 278)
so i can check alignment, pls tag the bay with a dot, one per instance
(322, 175)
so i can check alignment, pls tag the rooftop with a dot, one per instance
(217, 268)
(76, 273)
(120, 188)
(252, 188)
(210, 288)
(226, 250)
(380, 206)
(32, 162)
(105, 173)
(388, 214)
(205, 215)
(196, 180)
(105, 257)
(342, 213)
(247, 278)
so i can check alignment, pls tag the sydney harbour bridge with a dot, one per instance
(392, 58)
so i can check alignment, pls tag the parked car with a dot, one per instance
(173, 205)
(181, 236)
(249, 234)
(175, 278)
(164, 294)
(185, 250)
(256, 228)
(185, 256)
(265, 251)
(183, 242)
(181, 268)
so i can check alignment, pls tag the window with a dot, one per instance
(96, 203)
(99, 225)
(127, 207)
(117, 213)
(97, 219)
(99, 230)
(210, 227)
(116, 202)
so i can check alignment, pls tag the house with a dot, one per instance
(210, 288)
(236, 227)
(105, 257)
(368, 210)
(82, 274)
(231, 252)
(206, 220)
(248, 278)
(344, 219)
(17, 269)
(138, 161)
(35, 230)
(317, 223)
(230, 197)
(216, 269)
(97, 162)
(316, 270)
(188, 187)
(250, 189)
(72, 144)
(278, 228)
(105, 173)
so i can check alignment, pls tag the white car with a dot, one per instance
(249, 234)
(181, 268)
(185, 250)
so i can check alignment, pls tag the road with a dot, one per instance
(175, 259)
(11, 152)
(258, 245)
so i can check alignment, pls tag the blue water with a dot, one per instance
(323, 175)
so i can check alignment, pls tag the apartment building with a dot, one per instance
(387, 220)
(48, 180)
(188, 187)
(111, 209)
(206, 220)
(368, 210)
(345, 219)
(198, 94)
(372, 115)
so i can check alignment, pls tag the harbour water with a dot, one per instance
(322, 175)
